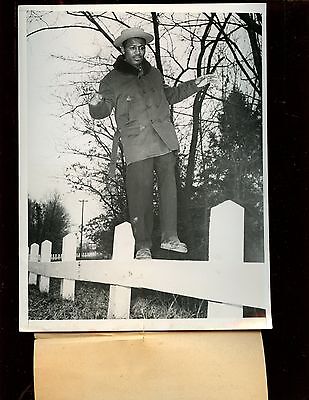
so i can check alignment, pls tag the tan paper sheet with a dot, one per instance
(152, 366)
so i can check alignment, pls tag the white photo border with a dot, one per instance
(27, 325)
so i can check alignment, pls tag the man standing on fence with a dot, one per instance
(141, 101)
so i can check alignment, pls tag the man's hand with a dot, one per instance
(95, 99)
(203, 80)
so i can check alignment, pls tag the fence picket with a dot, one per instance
(46, 247)
(34, 257)
(120, 296)
(67, 286)
(226, 244)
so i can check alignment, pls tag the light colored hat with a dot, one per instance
(133, 33)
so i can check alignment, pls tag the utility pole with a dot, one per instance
(82, 228)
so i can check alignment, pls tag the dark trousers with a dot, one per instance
(140, 181)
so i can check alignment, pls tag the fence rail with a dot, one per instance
(226, 281)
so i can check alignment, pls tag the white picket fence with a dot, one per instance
(226, 281)
(56, 257)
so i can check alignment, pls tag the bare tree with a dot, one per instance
(185, 46)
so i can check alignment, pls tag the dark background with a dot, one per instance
(287, 345)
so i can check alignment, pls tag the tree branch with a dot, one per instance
(239, 63)
(60, 27)
(90, 18)
(203, 45)
(252, 25)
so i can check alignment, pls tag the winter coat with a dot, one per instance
(141, 103)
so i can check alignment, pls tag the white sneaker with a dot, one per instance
(174, 245)
(143, 254)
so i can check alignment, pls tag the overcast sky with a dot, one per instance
(47, 132)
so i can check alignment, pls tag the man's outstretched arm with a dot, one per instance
(186, 89)
(102, 103)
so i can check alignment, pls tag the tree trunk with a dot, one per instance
(198, 101)
(157, 41)
(256, 51)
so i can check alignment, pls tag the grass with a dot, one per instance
(149, 304)
(91, 302)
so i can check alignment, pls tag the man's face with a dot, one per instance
(134, 51)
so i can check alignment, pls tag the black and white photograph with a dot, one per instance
(143, 168)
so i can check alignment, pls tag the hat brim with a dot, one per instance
(133, 34)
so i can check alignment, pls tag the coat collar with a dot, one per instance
(122, 66)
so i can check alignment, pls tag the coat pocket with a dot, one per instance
(136, 109)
